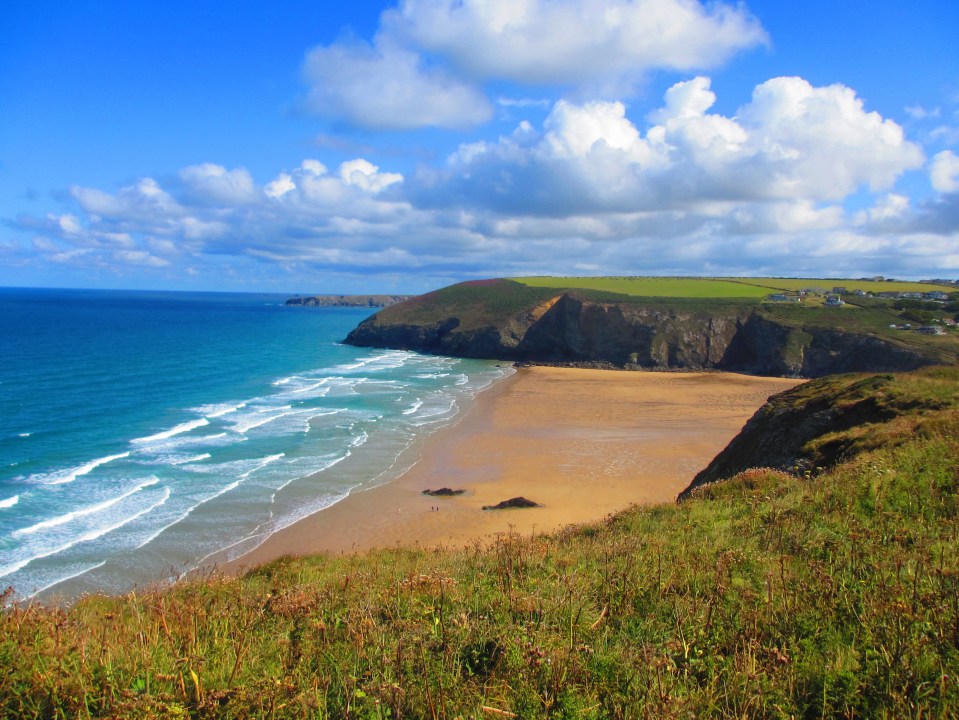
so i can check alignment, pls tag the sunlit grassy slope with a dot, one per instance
(828, 594)
(682, 287)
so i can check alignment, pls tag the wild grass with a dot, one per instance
(768, 595)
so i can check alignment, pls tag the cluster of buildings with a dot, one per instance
(834, 296)
(926, 329)
(834, 299)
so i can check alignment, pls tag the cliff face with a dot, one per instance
(568, 328)
(818, 424)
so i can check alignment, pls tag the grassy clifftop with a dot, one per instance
(768, 595)
(667, 323)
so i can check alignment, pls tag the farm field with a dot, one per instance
(688, 287)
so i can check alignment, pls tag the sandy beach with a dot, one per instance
(581, 443)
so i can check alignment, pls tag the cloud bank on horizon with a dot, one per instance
(793, 179)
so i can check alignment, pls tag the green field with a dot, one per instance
(687, 287)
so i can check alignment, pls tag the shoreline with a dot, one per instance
(582, 443)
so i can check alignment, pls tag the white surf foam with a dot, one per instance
(59, 580)
(359, 439)
(218, 410)
(193, 459)
(262, 463)
(9, 502)
(259, 418)
(167, 434)
(162, 452)
(86, 537)
(61, 477)
(83, 512)
(308, 388)
(417, 404)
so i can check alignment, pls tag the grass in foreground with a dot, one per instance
(764, 596)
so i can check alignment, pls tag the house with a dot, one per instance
(834, 301)
(783, 297)
(932, 330)
(937, 295)
(840, 290)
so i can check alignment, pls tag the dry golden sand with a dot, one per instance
(582, 443)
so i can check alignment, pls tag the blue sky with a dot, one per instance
(320, 147)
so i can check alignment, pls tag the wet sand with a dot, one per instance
(581, 443)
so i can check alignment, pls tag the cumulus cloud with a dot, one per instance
(791, 142)
(304, 215)
(827, 136)
(944, 172)
(429, 60)
(214, 183)
(683, 190)
(386, 87)
(592, 43)
(364, 174)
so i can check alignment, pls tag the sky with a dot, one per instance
(316, 147)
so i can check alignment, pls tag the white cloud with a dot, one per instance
(386, 87)
(891, 207)
(214, 183)
(579, 43)
(683, 190)
(143, 199)
(427, 63)
(69, 224)
(280, 186)
(574, 130)
(139, 257)
(944, 172)
(791, 142)
(918, 112)
(830, 144)
(366, 175)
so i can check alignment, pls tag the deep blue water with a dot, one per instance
(144, 433)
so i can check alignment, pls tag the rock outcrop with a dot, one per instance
(373, 301)
(512, 504)
(818, 424)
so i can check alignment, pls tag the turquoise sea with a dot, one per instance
(144, 434)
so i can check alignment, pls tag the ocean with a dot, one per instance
(145, 434)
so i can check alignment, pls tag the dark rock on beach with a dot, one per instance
(443, 492)
(516, 502)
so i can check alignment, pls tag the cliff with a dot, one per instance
(501, 319)
(819, 424)
(347, 300)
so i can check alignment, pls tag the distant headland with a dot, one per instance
(373, 301)
(761, 326)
